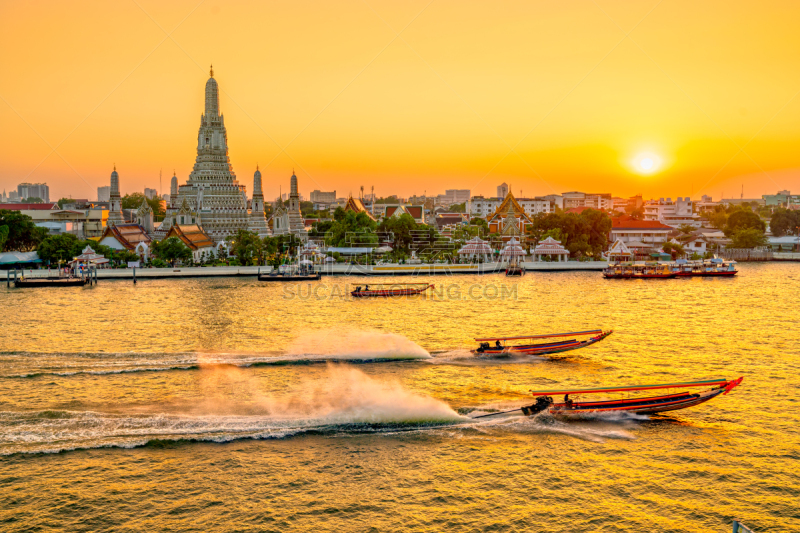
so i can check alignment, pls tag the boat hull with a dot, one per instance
(387, 293)
(640, 276)
(540, 349)
(643, 406)
(51, 282)
(268, 277)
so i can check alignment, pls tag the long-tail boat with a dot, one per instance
(648, 405)
(501, 348)
(390, 289)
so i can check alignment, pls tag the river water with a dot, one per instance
(229, 404)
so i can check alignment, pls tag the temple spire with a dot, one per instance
(212, 71)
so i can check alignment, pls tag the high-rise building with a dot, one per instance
(323, 197)
(104, 194)
(211, 197)
(502, 190)
(150, 193)
(33, 190)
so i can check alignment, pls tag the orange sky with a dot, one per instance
(547, 96)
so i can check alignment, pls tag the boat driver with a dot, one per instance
(498, 345)
(567, 401)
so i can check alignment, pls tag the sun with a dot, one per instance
(646, 163)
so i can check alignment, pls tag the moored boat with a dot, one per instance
(501, 348)
(639, 271)
(715, 267)
(390, 289)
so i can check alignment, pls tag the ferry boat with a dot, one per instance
(390, 289)
(291, 273)
(571, 407)
(715, 267)
(639, 271)
(501, 348)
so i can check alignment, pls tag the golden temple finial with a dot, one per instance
(256, 166)
(212, 71)
(115, 167)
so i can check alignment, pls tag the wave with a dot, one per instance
(310, 347)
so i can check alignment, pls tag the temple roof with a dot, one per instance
(192, 236)
(128, 235)
(507, 207)
(357, 206)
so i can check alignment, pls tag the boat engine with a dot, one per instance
(542, 403)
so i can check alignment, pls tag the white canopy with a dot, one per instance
(330, 259)
(550, 246)
(89, 256)
(512, 249)
(306, 262)
(475, 246)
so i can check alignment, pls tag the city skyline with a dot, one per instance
(439, 107)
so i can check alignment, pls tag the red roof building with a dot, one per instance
(639, 234)
(28, 207)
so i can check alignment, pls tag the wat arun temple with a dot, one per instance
(212, 198)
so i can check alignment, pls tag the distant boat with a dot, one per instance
(501, 348)
(639, 271)
(390, 289)
(712, 268)
(515, 270)
(570, 407)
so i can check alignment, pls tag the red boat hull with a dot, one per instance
(642, 406)
(540, 349)
(640, 276)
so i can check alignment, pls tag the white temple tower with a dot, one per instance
(290, 219)
(296, 223)
(115, 209)
(211, 197)
(257, 223)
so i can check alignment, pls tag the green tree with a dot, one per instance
(3, 236)
(247, 247)
(742, 219)
(748, 238)
(319, 229)
(55, 248)
(63, 201)
(582, 234)
(784, 222)
(23, 235)
(674, 249)
(171, 250)
(481, 223)
(400, 230)
(351, 229)
(458, 208)
(718, 219)
(280, 247)
(32, 200)
(134, 201)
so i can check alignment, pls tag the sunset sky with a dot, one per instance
(547, 96)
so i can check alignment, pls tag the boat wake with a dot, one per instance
(596, 428)
(347, 401)
(310, 347)
(465, 357)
